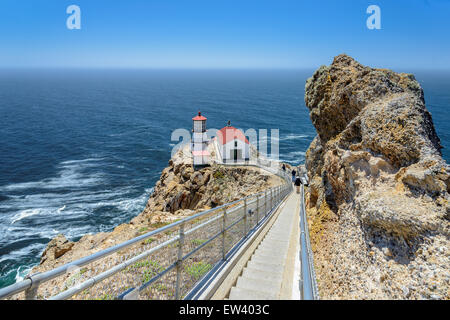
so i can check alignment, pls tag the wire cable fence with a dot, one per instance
(166, 263)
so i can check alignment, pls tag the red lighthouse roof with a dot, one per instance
(199, 117)
(230, 133)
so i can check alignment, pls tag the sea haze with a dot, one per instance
(80, 150)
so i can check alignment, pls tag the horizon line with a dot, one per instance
(30, 68)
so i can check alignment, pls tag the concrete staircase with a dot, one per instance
(269, 269)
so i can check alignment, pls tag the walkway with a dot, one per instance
(273, 270)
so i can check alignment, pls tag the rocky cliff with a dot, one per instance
(379, 189)
(181, 191)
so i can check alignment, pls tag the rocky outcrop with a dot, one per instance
(181, 190)
(379, 188)
(56, 248)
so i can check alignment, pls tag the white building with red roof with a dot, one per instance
(233, 146)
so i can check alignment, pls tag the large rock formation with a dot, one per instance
(378, 198)
(181, 190)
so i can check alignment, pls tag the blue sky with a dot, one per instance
(224, 33)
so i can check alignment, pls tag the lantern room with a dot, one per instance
(199, 123)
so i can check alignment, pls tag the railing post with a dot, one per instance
(245, 217)
(31, 292)
(179, 261)
(224, 225)
(271, 199)
(257, 209)
(265, 202)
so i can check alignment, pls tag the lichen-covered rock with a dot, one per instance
(181, 188)
(56, 248)
(379, 186)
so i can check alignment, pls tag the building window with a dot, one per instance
(235, 143)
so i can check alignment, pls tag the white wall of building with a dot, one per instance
(227, 153)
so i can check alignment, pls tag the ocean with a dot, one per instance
(81, 150)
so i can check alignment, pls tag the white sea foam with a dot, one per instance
(69, 176)
(57, 200)
(123, 204)
(294, 137)
(25, 214)
(296, 154)
(81, 161)
(21, 272)
(22, 252)
(135, 204)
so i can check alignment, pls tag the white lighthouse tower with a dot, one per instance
(200, 152)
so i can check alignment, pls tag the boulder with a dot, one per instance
(57, 247)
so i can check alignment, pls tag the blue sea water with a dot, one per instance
(80, 150)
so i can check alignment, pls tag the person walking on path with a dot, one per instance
(297, 183)
(293, 175)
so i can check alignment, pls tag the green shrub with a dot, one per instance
(143, 230)
(149, 240)
(152, 269)
(197, 269)
(197, 242)
(218, 175)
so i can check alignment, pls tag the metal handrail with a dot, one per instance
(308, 280)
(31, 283)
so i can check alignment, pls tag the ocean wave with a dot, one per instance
(16, 274)
(125, 204)
(22, 272)
(75, 205)
(69, 176)
(81, 161)
(295, 137)
(72, 203)
(25, 214)
(19, 253)
(295, 154)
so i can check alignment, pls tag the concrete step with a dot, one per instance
(246, 294)
(263, 260)
(264, 266)
(267, 285)
(273, 240)
(257, 274)
(272, 247)
(270, 254)
(267, 247)
(267, 256)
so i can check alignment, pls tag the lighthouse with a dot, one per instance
(200, 152)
